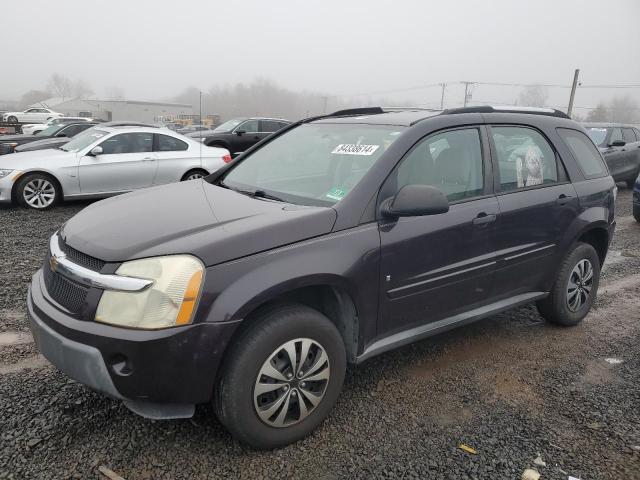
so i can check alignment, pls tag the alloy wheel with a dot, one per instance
(291, 383)
(195, 176)
(39, 193)
(579, 285)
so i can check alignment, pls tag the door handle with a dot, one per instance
(483, 219)
(563, 199)
(148, 159)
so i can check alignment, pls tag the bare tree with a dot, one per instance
(598, 114)
(619, 109)
(80, 88)
(60, 86)
(533, 96)
(33, 96)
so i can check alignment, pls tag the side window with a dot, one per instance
(71, 130)
(628, 135)
(269, 126)
(615, 135)
(128, 143)
(170, 144)
(525, 158)
(584, 152)
(637, 133)
(250, 126)
(450, 161)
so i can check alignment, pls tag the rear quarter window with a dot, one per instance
(585, 153)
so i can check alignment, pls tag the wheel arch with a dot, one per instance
(29, 172)
(330, 295)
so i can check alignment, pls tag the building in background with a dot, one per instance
(116, 109)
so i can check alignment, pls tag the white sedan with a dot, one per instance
(33, 128)
(31, 115)
(105, 161)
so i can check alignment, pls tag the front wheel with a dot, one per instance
(575, 288)
(636, 213)
(38, 191)
(282, 377)
(12, 119)
(194, 174)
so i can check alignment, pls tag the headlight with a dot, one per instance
(170, 301)
(4, 173)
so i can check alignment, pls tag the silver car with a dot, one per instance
(105, 161)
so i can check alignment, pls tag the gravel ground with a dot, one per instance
(511, 387)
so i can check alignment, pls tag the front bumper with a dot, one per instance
(158, 373)
(6, 184)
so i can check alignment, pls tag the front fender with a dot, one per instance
(347, 260)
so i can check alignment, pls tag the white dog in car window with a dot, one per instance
(529, 169)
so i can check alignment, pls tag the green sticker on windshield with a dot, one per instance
(335, 193)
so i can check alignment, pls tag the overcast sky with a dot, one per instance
(153, 49)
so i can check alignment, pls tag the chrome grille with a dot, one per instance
(80, 258)
(66, 293)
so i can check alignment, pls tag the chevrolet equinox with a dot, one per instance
(336, 239)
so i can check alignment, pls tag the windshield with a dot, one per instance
(228, 125)
(83, 140)
(598, 135)
(52, 130)
(313, 164)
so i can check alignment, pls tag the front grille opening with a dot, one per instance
(80, 258)
(64, 292)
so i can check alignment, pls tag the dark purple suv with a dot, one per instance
(334, 240)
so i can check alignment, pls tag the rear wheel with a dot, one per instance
(575, 288)
(194, 174)
(38, 191)
(282, 377)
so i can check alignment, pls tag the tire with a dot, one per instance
(12, 119)
(636, 213)
(30, 184)
(194, 174)
(565, 305)
(631, 182)
(269, 334)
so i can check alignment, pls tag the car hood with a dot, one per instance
(34, 159)
(213, 223)
(14, 138)
(47, 141)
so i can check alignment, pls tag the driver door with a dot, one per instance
(127, 163)
(436, 266)
(250, 137)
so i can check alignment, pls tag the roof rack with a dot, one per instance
(552, 112)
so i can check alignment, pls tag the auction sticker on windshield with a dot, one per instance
(352, 149)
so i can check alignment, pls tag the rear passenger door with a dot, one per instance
(435, 266)
(615, 156)
(537, 204)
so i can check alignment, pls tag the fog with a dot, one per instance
(350, 51)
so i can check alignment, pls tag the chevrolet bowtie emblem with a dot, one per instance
(53, 262)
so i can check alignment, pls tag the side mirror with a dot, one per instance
(61, 134)
(414, 201)
(240, 132)
(95, 151)
(618, 143)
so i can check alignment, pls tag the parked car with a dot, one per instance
(105, 161)
(31, 115)
(9, 143)
(337, 239)
(57, 142)
(240, 134)
(636, 200)
(191, 128)
(33, 128)
(200, 135)
(620, 146)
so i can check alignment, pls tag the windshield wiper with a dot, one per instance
(251, 193)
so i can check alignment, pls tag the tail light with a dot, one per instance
(226, 158)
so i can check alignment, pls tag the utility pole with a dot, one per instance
(466, 92)
(573, 91)
(443, 85)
